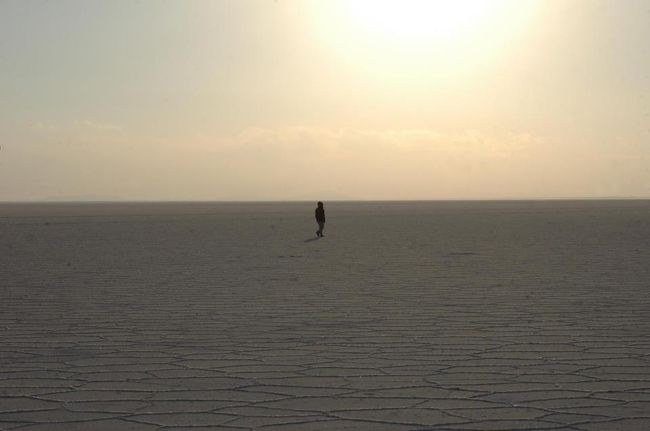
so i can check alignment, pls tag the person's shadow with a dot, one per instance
(312, 239)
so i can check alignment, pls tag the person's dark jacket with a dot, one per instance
(320, 215)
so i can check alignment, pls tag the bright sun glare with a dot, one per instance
(418, 21)
(413, 33)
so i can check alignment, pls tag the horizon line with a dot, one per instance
(164, 201)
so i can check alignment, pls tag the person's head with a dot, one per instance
(320, 204)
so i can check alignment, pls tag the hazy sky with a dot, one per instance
(242, 100)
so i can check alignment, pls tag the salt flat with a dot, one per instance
(406, 316)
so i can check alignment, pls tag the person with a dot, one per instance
(320, 219)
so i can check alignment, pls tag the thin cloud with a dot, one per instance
(299, 162)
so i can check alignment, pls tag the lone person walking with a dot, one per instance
(320, 219)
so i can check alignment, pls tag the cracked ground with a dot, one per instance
(405, 316)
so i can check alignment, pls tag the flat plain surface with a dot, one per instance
(406, 316)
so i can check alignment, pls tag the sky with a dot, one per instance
(324, 99)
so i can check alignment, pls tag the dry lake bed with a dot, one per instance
(520, 315)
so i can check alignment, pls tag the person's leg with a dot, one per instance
(321, 226)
